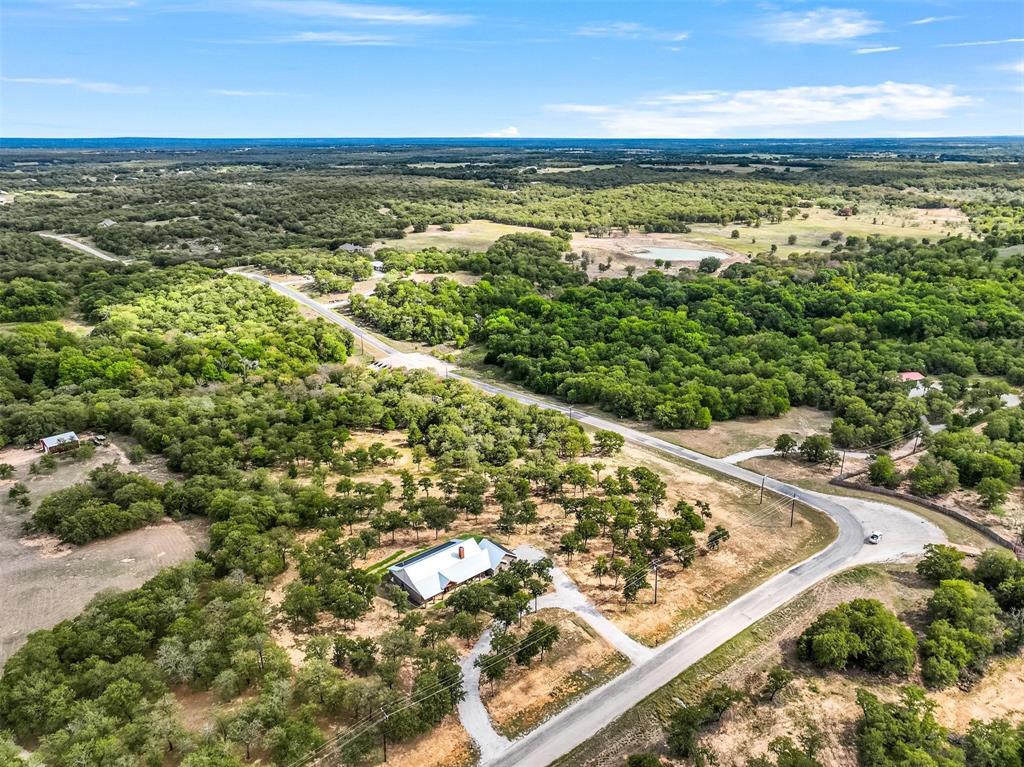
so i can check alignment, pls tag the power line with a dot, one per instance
(368, 722)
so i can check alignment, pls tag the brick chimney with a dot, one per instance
(462, 552)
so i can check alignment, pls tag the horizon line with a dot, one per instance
(509, 139)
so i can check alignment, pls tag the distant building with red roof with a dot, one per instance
(911, 375)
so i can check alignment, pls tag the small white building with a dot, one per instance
(60, 443)
(440, 569)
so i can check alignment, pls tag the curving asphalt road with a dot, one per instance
(903, 534)
(70, 242)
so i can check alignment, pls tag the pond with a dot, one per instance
(677, 254)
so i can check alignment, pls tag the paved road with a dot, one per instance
(70, 242)
(903, 534)
(322, 310)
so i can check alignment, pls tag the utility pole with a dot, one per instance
(383, 734)
(842, 464)
(917, 438)
(792, 511)
(570, 412)
(761, 499)
(655, 584)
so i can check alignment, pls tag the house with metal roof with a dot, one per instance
(60, 443)
(436, 571)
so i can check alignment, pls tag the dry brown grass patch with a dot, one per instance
(579, 661)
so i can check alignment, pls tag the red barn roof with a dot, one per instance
(911, 375)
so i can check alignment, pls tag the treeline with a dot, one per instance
(211, 209)
(689, 349)
(342, 263)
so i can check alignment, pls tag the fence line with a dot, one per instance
(959, 516)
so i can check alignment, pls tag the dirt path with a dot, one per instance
(70, 242)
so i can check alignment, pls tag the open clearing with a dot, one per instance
(447, 745)
(474, 235)
(44, 582)
(623, 251)
(724, 438)
(579, 662)
(820, 223)
(822, 701)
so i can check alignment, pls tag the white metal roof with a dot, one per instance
(59, 439)
(429, 573)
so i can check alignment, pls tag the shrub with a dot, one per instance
(963, 633)
(992, 491)
(995, 566)
(882, 471)
(862, 634)
(933, 476)
(817, 448)
(942, 563)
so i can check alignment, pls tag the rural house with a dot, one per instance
(440, 569)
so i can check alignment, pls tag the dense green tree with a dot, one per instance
(861, 634)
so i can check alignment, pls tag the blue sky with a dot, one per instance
(289, 68)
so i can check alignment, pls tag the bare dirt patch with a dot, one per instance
(794, 470)
(447, 745)
(1000, 693)
(43, 582)
(39, 591)
(621, 252)
(580, 661)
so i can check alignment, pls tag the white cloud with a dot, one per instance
(629, 30)
(822, 25)
(509, 132)
(933, 20)
(94, 87)
(1017, 67)
(338, 38)
(244, 94)
(880, 49)
(983, 42)
(377, 14)
(743, 113)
